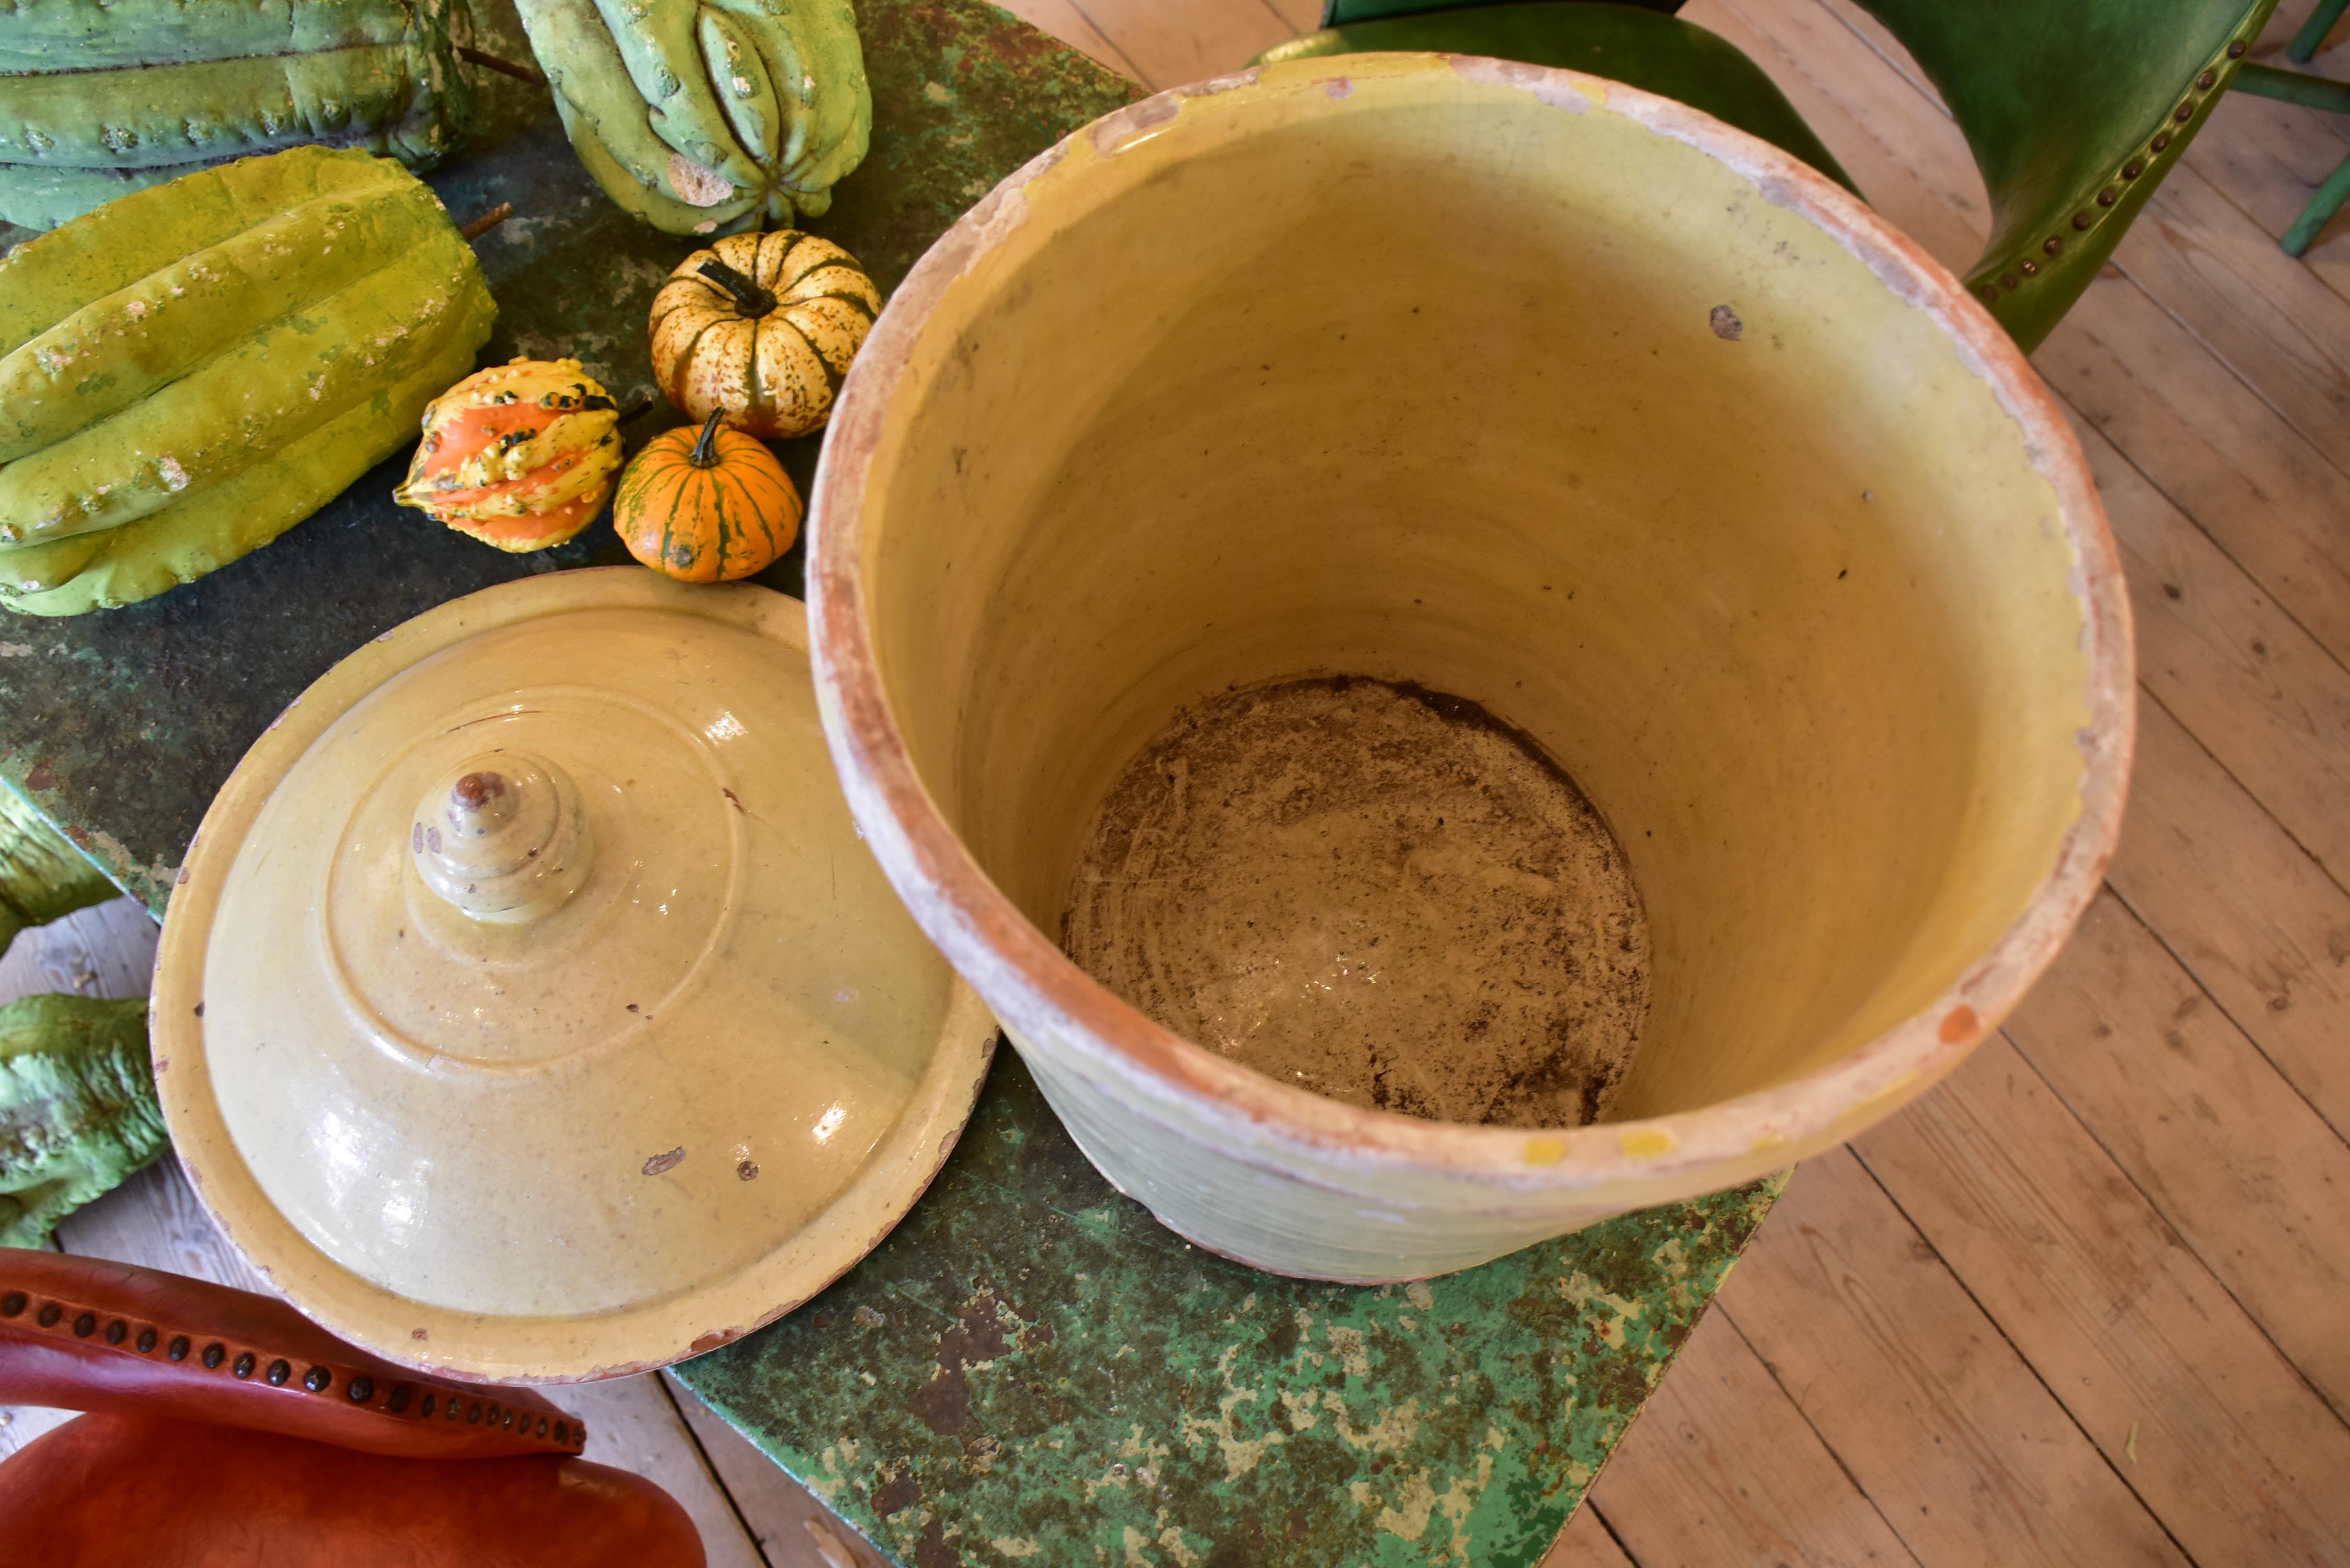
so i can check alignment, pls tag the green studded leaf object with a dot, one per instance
(188, 372)
(77, 1110)
(101, 98)
(42, 876)
(708, 117)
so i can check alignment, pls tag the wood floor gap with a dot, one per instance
(2186, 967)
(2007, 1339)
(2146, 693)
(1126, 61)
(2180, 506)
(711, 1470)
(2221, 360)
(1902, 66)
(2178, 1232)
(2227, 192)
(1771, 1372)
(1613, 1534)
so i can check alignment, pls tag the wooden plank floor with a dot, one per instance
(2085, 1304)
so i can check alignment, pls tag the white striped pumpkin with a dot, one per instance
(760, 328)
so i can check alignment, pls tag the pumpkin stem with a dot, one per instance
(705, 451)
(749, 297)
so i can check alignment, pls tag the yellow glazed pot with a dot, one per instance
(1539, 391)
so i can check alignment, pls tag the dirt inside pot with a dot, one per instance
(1374, 891)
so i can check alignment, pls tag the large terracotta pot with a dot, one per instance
(1543, 393)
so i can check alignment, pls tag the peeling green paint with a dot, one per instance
(1031, 1366)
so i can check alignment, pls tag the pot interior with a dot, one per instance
(1536, 408)
(1374, 892)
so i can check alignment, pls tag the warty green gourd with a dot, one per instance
(708, 118)
(78, 1108)
(102, 98)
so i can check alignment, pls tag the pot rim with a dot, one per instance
(1050, 1004)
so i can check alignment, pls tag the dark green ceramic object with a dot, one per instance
(77, 1110)
(2075, 109)
(107, 96)
(42, 876)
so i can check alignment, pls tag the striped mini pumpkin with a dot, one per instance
(706, 508)
(760, 328)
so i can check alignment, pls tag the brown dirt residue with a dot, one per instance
(1375, 892)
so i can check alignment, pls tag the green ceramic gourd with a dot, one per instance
(189, 371)
(708, 119)
(77, 1108)
(107, 97)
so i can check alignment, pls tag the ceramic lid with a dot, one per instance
(529, 1006)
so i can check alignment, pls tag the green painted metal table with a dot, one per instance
(1029, 1368)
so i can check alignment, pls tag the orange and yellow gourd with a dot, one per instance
(520, 456)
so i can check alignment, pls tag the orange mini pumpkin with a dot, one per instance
(762, 327)
(706, 508)
(520, 456)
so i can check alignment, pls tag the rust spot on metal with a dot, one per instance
(902, 1490)
(943, 1404)
(1725, 324)
(933, 1551)
(977, 1338)
(1959, 1023)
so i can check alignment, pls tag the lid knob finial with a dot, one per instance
(503, 837)
(479, 802)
